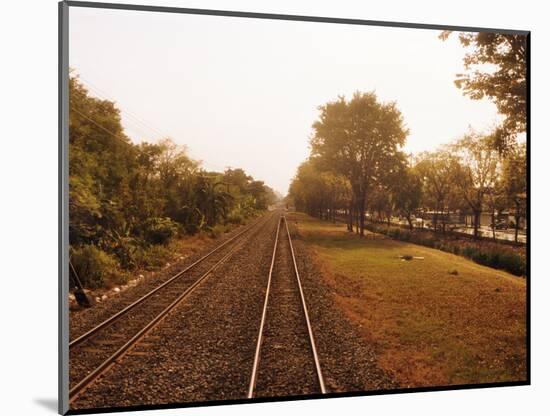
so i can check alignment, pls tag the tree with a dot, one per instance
(212, 200)
(360, 140)
(319, 192)
(125, 197)
(407, 193)
(496, 67)
(514, 181)
(475, 171)
(101, 160)
(436, 173)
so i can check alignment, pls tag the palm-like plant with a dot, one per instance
(212, 200)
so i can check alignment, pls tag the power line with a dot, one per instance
(101, 127)
(139, 119)
(130, 144)
(106, 96)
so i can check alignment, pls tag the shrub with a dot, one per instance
(159, 230)
(96, 268)
(468, 251)
(493, 257)
(235, 218)
(125, 249)
(217, 230)
(152, 257)
(487, 254)
(513, 263)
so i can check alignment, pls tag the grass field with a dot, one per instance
(439, 320)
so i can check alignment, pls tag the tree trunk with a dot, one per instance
(477, 215)
(493, 225)
(517, 217)
(436, 217)
(358, 217)
(350, 216)
(409, 220)
(362, 213)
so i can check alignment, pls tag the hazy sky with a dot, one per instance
(244, 92)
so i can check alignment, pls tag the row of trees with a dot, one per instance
(356, 164)
(468, 176)
(124, 196)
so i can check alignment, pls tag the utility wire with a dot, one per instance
(101, 127)
(138, 119)
(126, 142)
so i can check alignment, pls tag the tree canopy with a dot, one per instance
(126, 198)
(496, 67)
(359, 139)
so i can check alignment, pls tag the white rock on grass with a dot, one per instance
(116, 289)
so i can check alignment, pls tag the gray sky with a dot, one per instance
(244, 92)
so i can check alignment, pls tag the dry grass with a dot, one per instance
(441, 320)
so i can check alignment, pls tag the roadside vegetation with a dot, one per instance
(434, 318)
(128, 203)
(489, 253)
(357, 167)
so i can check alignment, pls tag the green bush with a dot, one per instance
(235, 218)
(217, 230)
(125, 249)
(96, 268)
(492, 256)
(468, 251)
(159, 230)
(152, 257)
(514, 263)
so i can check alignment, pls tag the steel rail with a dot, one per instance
(109, 362)
(122, 312)
(254, 376)
(306, 314)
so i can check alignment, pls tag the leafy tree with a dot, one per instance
(360, 140)
(475, 171)
(125, 199)
(319, 192)
(407, 193)
(211, 198)
(496, 67)
(436, 172)
(514, 182)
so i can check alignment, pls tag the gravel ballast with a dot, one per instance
(348, 362)
(204, 350)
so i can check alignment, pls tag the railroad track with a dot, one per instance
(93, 353)
(286, 360)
